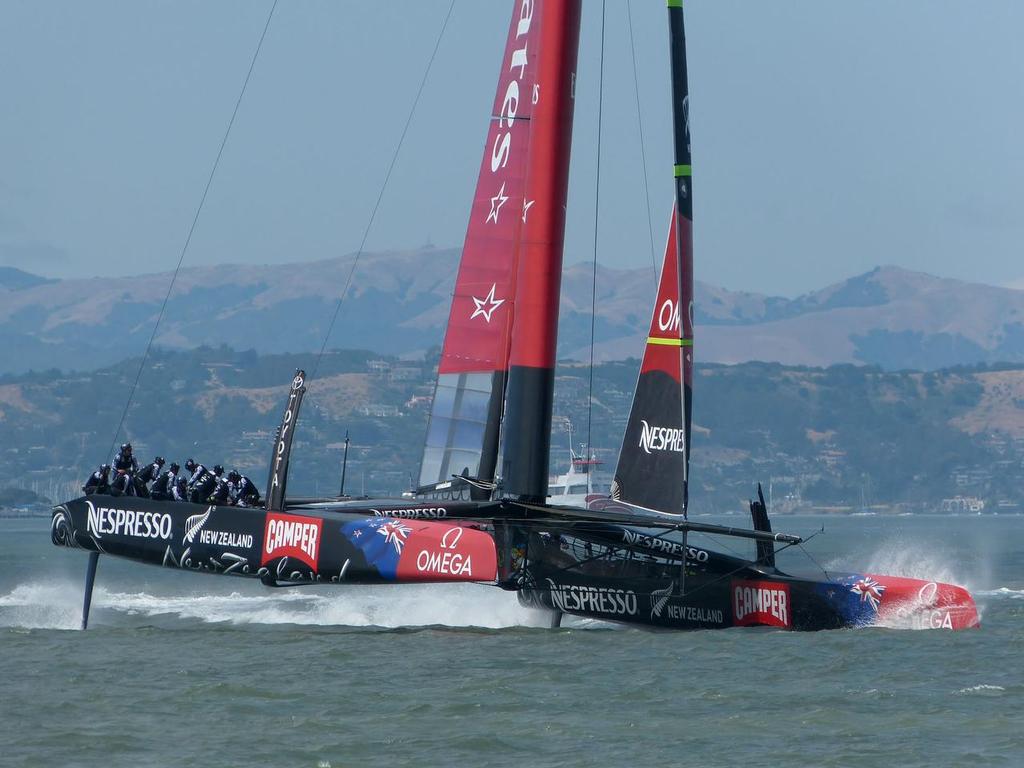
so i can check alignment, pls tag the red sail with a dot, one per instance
(661, 352)
(479, 323)
(462, 435)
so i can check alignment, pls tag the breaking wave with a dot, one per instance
(46, 605)
(914, 561)
(981, 690)
(42, 606)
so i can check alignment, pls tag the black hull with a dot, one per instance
(709, 601)
(310, 545)
(577, 574)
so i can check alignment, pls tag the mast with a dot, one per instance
(530, 391)
(684, 218)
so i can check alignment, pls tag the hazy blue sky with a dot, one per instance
(827, 137)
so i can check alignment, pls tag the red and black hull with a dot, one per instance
(586, 568)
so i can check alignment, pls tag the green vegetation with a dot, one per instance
(844, 436)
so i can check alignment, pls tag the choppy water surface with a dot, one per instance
(185, 669)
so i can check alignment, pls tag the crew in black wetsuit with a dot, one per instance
(221, 493)
(196, 472)
(202, 487)
(163, 488)
(125, 465)
(98, 482)
(179, 491)
(243, 490)
(151, 471)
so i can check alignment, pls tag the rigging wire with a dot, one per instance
(810, 556)
(597, 210)
(383, 187)
(643, 153)
(192, 229)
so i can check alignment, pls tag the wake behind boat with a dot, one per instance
(481, 512)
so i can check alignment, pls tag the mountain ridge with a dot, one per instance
(399, 303)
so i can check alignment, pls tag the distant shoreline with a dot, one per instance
(24, 513)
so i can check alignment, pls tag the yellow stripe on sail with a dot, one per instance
(670, 342)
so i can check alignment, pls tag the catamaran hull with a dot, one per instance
(756, 599)
(367, 545)
(556, 569)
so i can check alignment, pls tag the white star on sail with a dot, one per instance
(496, 202)
(487, 305)
(526, 207)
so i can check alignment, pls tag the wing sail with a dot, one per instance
(463, 431)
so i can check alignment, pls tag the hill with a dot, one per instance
(398, 305)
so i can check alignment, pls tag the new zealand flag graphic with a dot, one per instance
(856, 596)
(381, 540)
(422, 550)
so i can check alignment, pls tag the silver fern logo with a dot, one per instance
(660, 598)
(194, 524)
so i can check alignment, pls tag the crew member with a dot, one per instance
(202, 485)
(98, 482)
(179, 491)
(196, 471)
(151, 471)
(221, 492)
(243, 490)
(163, 488)
(125, 465)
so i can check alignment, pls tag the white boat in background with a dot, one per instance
(575, 487)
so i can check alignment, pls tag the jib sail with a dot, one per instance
(651, 472)
(654, 463)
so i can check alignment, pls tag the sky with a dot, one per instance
(828, 138)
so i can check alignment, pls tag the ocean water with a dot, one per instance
(186, 669)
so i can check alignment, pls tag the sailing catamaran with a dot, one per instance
(481, 512)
